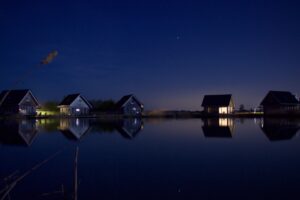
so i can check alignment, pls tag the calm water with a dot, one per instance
(152, 159)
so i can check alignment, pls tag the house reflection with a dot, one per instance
(277, 129)
(74, 128)
(18, 132)
(218, 127)
(130, 127)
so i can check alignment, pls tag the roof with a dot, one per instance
(125, 98)
(216, 100)
(68, 100)
(14, 97)
(279, 97)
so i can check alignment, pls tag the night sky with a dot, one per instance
(168, 53)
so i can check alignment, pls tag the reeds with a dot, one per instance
(6, 190)
(76, 174)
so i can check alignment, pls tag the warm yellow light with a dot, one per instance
(223, 110)
(223, 122)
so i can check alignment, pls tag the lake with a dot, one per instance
(151, 159)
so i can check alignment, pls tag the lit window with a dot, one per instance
(77, 110)
(134, 108)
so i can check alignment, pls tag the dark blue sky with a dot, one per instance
(169, 53)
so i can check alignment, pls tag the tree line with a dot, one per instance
(98, 105)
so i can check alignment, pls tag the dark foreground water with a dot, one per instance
(151, 159)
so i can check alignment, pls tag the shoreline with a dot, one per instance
(163, 115)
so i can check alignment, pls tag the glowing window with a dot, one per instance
(77, 110)
(223, 110)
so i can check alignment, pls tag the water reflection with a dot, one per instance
(277, 129)
(23, 132)
(129, 128)
(168, 159)
(218, 127)
(74, 129)
(17, 132)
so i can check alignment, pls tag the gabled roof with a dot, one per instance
(14, 97)
(216, 100)
(279, 97)
(68, 100)
(124, 99)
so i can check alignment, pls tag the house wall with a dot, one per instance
(219, 110)
(27, 106)
(281, 110)
(132, 108)
(212, 110)
(64, 110)
(9, 110)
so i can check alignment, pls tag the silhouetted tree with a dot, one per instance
(50, 106)
(242, 108)
(103, 106)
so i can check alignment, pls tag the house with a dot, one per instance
(218, 104)
(20, 102)
(280, 103)
(129, 105)
(74, 105)
(218, 127)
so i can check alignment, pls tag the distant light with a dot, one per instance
(77, 110)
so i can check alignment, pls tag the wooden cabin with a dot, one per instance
(129, 105)
(280, 103)
(20, 102)
(74, 105)
(218, 104)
